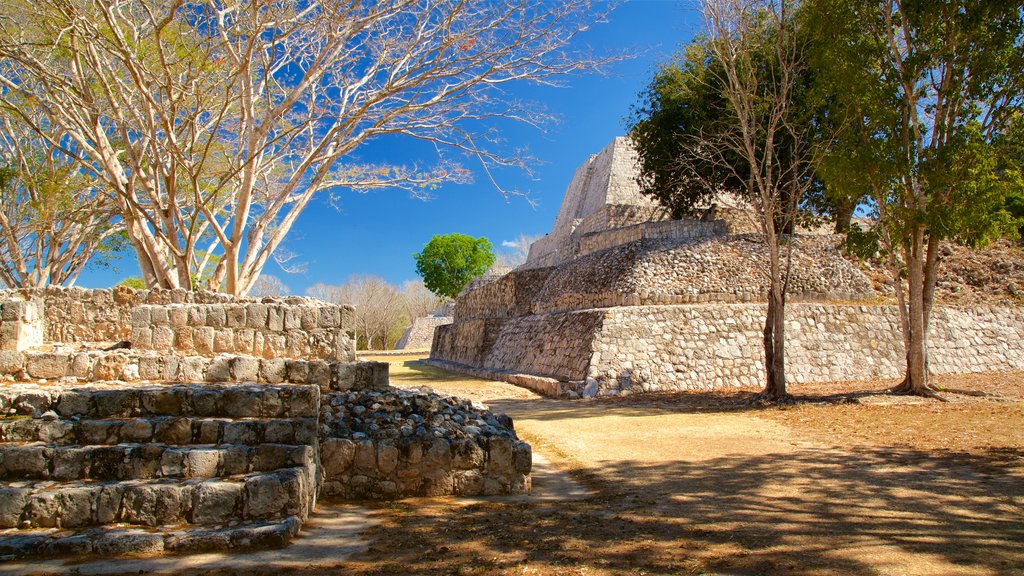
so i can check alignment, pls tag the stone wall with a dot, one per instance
(267, 330)
(387, 444)
(133, 366)
(672, 347)
(21, 325)
(529, 344)
(667, 271)
(420, 333)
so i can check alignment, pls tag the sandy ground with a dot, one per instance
(850, 481)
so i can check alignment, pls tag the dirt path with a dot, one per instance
(711, 488)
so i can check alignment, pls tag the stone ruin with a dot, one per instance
(212, 423)
(616, 300)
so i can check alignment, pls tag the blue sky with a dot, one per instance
(378, 232)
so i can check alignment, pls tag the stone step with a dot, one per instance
(126, 400)
(164, 502)
(145, 461)
(135, 540)
(163, 429)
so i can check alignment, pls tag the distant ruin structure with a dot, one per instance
(616, 299)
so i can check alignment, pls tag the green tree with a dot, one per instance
(925, 92)
(448, 262)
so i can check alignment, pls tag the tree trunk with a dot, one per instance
(915, 382)
(774, 348)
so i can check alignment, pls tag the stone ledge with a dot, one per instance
(541, 384)
(129, 540)
(136, 366)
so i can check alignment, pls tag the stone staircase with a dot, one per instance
(115, 468)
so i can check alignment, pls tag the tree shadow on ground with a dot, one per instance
(814, 511)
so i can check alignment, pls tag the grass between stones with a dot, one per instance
(848, 481)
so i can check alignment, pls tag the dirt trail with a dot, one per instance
(719, 489)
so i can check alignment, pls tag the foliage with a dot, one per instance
(382, 311)
(448, 262)
(133, 282)
(928, 95)
(222, 121)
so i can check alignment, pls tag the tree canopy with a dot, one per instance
(929, 95)
(448, 262)
(215, 124)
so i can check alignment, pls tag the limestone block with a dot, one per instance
(135, 542)
(242, 403)
(69, 464)
(292, 318)
(264, 496)
(155, 504)
(136, 430)
(74, 403)
(256, 316)
(110, 366)
(173, 431)
(235, 459)
(184, 339)
(522, 460)
(274, 346)
(273, 370)
(203, 340)
(196, 316)
(150, 367)
(271, 404)
(245, 369)
(69, 546)
(11, 361)
(468, 455)
(387, 458)
(216, 502)
(336, 456)
(202, 463)
(158, 316)
(245, 433)
(467, 483)
(244, 338)
(43, 509)
(219, 370)
(500, 455)
(76, 506)
(81, 366)
(310, 318)
(224, 341)
(280, 432)
(163, 338)
(50, 365)
(329, 317)
(297, 371)
(235, 315)
(190, 368)
(216, 316)
(365, 458)
(304, 401)
(177, 316)
(142, 337)
(275, 318)
(172, 401)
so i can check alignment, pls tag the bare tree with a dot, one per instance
(53, 218)
(268, 285)
(759, 56)
(378, 306)
(215, 124)
(516, 251)
(417, 300)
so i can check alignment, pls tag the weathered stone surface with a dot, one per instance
(216, 502)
